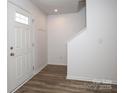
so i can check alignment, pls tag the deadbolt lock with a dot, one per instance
(11, 48)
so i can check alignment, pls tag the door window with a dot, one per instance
(20, 18)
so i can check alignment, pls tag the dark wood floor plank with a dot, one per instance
(52, 79)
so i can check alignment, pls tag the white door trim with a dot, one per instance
(33, 40)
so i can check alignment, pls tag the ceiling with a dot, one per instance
(63, 6)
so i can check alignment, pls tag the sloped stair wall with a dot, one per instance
(92, 54)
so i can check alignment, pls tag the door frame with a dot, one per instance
(33, 44)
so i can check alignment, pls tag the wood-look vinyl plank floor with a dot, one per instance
(52, 79)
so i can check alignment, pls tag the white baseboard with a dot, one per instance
(22, 84)
(58, 64)
(35, 72)
(72, 77)
(38, 70)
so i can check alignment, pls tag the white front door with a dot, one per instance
(20, 51)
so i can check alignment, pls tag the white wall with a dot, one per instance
(60, 29)
(39, 32)
(92, 55)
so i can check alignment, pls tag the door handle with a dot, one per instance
(12, 54)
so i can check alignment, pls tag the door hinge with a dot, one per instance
(32, 20)
(33, 67)
(32, 44)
